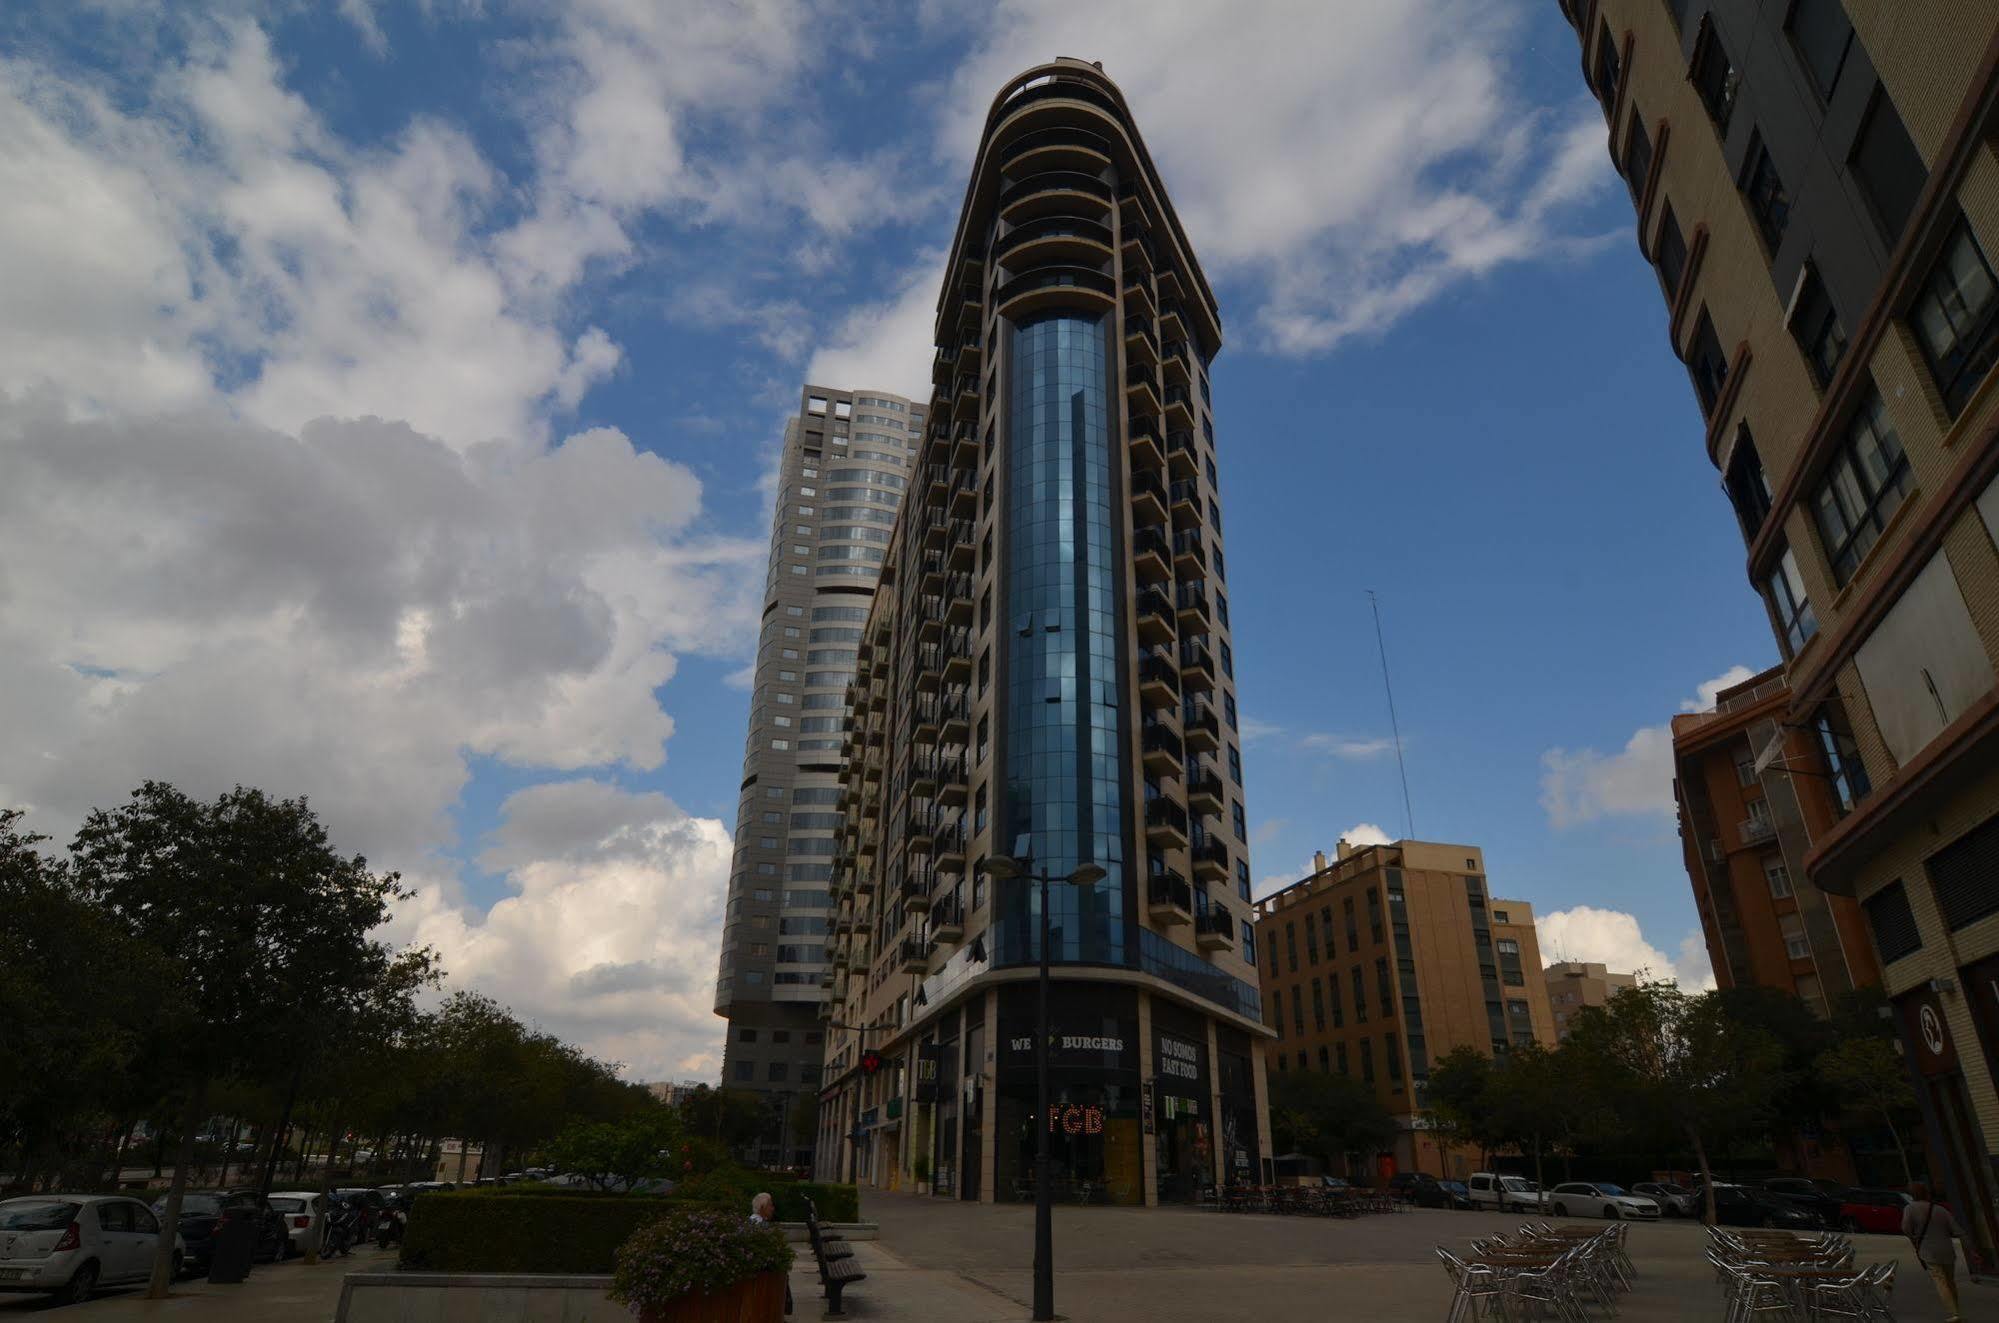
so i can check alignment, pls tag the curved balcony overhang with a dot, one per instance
(1057, 287)
(1060, 147)
(1071, 239)
(1055, 193)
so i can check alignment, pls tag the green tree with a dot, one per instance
(1327, 1116)
(1867, 1075)
(731, 1117)
(1462, 1107)
(617, 1155)
(267, 926)
(1532, 1100)
(1672, 1062)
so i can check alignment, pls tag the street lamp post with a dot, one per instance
(1000, 866)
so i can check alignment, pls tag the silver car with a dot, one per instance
(304, 1212)
(68, 1245)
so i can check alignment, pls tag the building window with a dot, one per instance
(1893, 922)
(1384, 984)
(1235, 765)
(1796, 621)
(1248, 935)
(746, 1070)
(746, 1035)
(1745, 767)
(1747, 486)
(1815, 326)
(1242, 888)
(1822, 37)
(1359, 996)
(1228, 659)
(1796, 945)
(1888, 167)
(1637, 155)
(1367, 1060)
(1842, 758)
(1237, 822)
(1866, 483)
(1670, 253)
(777, 1072)
(1779, 878)
(1707, 363)
(1340, 1057)
(1499, 916)
(1507, 946)
(1318, 1007)
(1228, 709)
(1714, 77)
(1769, 202)
(1607, 69)
(1276, 1005)
(1956, 317)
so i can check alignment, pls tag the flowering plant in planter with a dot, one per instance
(685, 1256)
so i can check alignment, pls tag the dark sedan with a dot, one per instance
(1822, 1198)
(202, 1212)
(1748, 1206)
(1430, 1193)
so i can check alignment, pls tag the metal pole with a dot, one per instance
(1044, 1208)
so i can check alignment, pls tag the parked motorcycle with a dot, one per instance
(343, 1229)
(392, 1224)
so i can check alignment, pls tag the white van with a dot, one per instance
(1505, 1194)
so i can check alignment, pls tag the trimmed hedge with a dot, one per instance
(549, 1229)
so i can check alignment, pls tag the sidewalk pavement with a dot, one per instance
(288, 1292)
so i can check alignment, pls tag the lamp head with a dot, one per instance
(1002, 866)
(1088, 875)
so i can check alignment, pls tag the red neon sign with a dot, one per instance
(1076, 1119)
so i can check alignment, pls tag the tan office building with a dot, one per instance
(1047, 671)
(1574, 984)
(1388, 957)
(1817, 188)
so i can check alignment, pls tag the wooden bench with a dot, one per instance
(837, 1269)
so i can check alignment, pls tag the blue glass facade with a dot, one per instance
(1064, 760)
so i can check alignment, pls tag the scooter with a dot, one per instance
(343, 1229)
(391, 1224)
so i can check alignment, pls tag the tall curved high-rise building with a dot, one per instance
(1047, 672)
(847, 460)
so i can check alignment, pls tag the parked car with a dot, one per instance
(1873, 1210)
(1505, 1194)
(1430, 1192)
(304, 1212)
(202, 1212)
(1403, 1182)
(1673, 1200)
(1748, 1206)
(68, 1245)
(1822, 1197)
(1612, 1201)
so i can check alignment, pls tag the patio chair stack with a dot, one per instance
(1319, 1201)
(1796, 1278)
(1540, 1271)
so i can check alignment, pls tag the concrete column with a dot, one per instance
(1262, 1105)
(989, 1109)
(1218, 1150)
(1148, 1144)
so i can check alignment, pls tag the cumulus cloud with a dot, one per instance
(609, 936)
(1366, 833)
(888, 343)
(1582, 785)
(1612, 938)
(1346, 746)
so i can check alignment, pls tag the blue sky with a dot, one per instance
(441, 350)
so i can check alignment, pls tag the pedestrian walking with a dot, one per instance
(1930, 1227)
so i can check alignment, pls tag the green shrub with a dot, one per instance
(689, 1253)
(477, 1231)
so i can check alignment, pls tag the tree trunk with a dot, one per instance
(1707, 1177)
(118, 1158)
(229, 1151)
(284, 1124)
(163, 1251)
(1900, 1151)
(1540, 1186)
(463, 1144)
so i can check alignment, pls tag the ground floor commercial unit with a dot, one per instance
(774, 1053)
(1153, 1097)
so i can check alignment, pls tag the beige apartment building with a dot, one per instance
(1574, 984)
(1047, 673)
(1385, 959)
(1817, 188)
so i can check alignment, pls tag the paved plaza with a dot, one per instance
(965, 1263)
(290, 1292)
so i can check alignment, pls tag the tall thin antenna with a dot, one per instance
(1408, 813)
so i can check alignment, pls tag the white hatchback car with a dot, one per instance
(305, 1215)
(68, 1245)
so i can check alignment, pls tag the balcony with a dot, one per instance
(1161, 747)
(1146, 457)
(1168, 898)
(916, 893)
(957, 656)
(958, 600)
(1135, 241)
(1204, 790)
(920, 835)
(1052, 287)
(1179, 407)
(1192, 602)
(1141, 391)
(1185, 498)
(1197, 665)
(1155, 616)
(913, 958)
(1159, 679)
(1055, 192)
(1148, 499)
(1152, 555)
(947, 922)
(1755, 830)
(923, 775)
(1165, 824)
(1141, 342)
(1173, 355)
(964, 447)
(1203, 732)
(1054, 238)
(1063, 147)
(1190, 556)
(1214, 928)
(1211, 859)
(951, 781)
(1181, 456)
(925, 720)
(1176, 327)
(1138, 304)
(963, 552)
(864, 883)
(950, 853)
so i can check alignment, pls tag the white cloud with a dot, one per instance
(888, 344)
(1583, 785)
(1254, 730)
(1612, 938)
(608, 939)
(1349, 747)
(1366, 833)
(1305, 157)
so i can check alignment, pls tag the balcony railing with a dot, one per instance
(1169, 888)
(1163, 812)
(1157, 668)
(1055, 181)
(1752, 830)
(1157, 737)
(1063, 137)
(1217, 921)
(1150, 539)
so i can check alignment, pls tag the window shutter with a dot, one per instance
(1894, 923)
(1965, 875)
